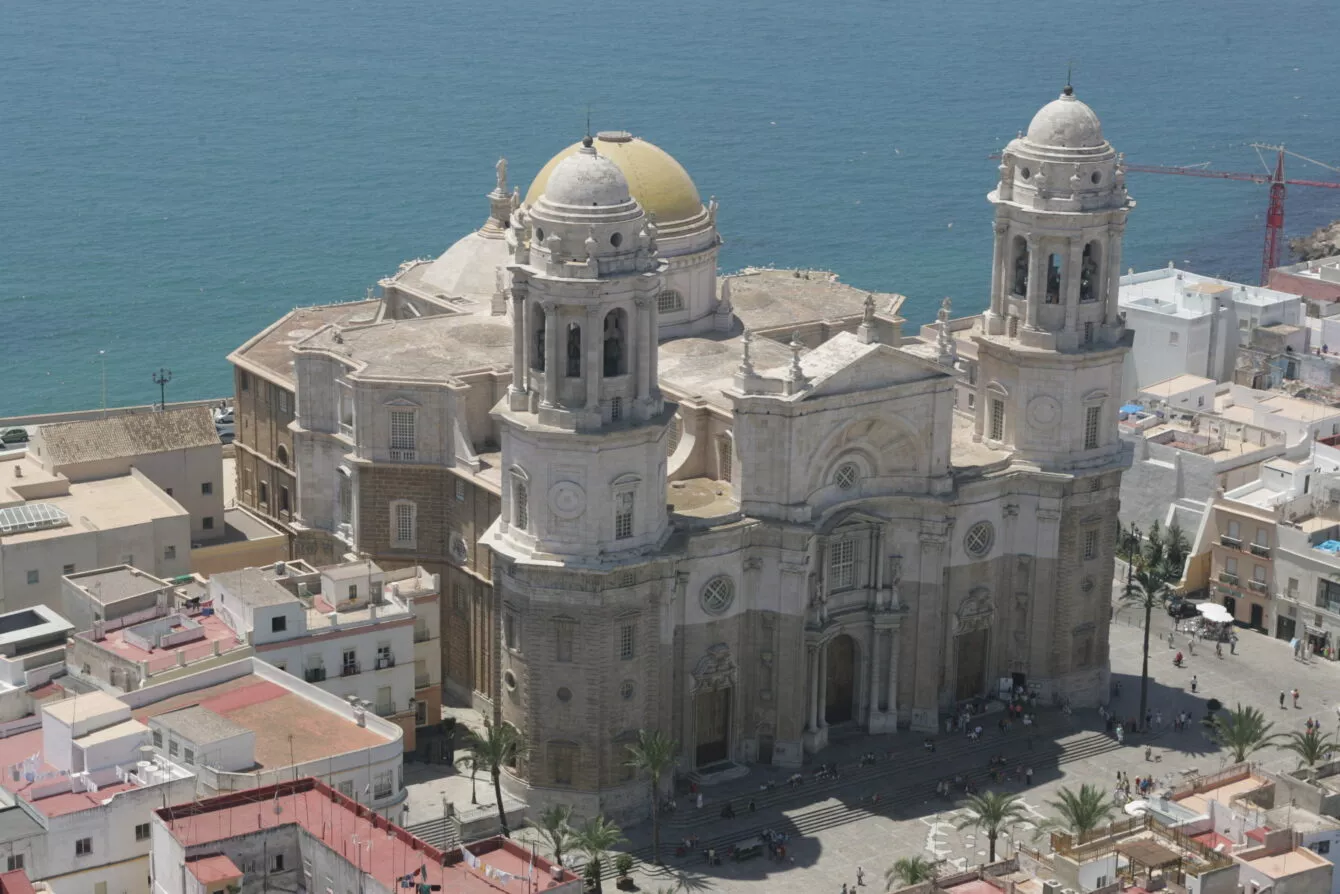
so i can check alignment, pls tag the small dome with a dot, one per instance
(586, 178)
(659, 183)
(1066, 122)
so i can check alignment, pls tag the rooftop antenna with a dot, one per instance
(588, 119)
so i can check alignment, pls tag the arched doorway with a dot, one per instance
(840, 684)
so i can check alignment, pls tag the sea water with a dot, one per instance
(175, 175)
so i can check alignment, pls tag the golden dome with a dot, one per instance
(659, 183)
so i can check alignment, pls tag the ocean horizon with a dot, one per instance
(177, 176)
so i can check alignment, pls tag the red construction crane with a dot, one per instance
(1275, 213)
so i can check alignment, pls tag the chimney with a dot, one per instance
(181, 658)
(18, 470)
(372, 610)
(360, 716)
(216, 647)
(99, 630)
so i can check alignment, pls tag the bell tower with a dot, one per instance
(584, 421)
(1053, 342)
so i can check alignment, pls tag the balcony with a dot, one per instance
(315, 675)
(1229, 578)
(1259, 550)
(1258, 586)
(385, 661)
(1231, 542)
(422, 681)
(349, 669)
(403, 455)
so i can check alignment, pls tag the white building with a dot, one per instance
(79, 788)
(300, 835)
(32, 653)
(1185, 323)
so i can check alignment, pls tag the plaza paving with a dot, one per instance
(836, 827)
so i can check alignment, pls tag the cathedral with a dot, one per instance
(745, 510)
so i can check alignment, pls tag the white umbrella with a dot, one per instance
(1136, 808)
(1213, 611)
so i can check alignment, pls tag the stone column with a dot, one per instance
(1112, 269)
(1070, 282)
(639, 345)
(822, 685)
(554, 353)
(872, 688)
(1037, 284)
(812, 684)
(891, 708)
(999, 263)
(520, 342)
(934, 538)
(593, 357)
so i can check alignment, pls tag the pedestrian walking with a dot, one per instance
(1295, 698)
(1281, 698)
(1219, 650)
(700, 794)
(1028, 775)
(1191, 647)
(1158, 720)
(1233, 644)
(844, 888)
(1194, 683)
(860, 876)
(1170, 639)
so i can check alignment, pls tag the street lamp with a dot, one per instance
(161, 379)
(102, 358)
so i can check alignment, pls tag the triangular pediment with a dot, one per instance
(843, 365)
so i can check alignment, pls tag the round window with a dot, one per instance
(564, 694)
(1023, 172)
(616, 239)
(846, 475)
(1096, 177)
(718, 595)
(509, 680)
(626, 689)
(979, 538)
(539, 235)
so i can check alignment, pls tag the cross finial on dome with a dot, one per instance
(1069, 89)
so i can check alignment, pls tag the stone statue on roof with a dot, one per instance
(501, 169)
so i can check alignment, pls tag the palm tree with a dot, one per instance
(469, 762)
(555, 829)
(1154, 547)
(1312, 747)
(596, 836)
(990, 813)
(497, 747)
(1084, 810)
(1175, 550)
(907, 871)
(1149, 587)
(655, 753)
(1242, 731)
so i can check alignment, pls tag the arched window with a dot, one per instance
(1088, 273)
(1053, 279)
(520, 500)
(574, 351)
(616, 354)
(676, 433)
(669, 302)
(537, 360)
(1020, 285)
(281, 454)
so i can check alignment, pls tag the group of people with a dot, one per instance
(1141, 785)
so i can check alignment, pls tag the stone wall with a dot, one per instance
(262, 412)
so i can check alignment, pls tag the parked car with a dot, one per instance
(223, 414)
(227, 430)
(14, 436)
(1180, 609)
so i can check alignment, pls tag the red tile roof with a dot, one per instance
(16, 749)
(346, 827)
(164, 659)
(214, 868)
(15, 882)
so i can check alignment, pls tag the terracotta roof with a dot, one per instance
(133, 434)
(15, 882)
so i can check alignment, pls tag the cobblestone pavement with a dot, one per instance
(835, 827)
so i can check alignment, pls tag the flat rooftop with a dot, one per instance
(107, 585)
(1289, 863)
(341, 825)
(704, 366)
(767, 299)
(1224, 794)
(102, 505)
(161, 659)
(1182, 293)
(270, 351)
(254, 587)
(280, 718)
(432, 349)
(199, 724)
(1177, 385)
(17, 627)
(1296, 409)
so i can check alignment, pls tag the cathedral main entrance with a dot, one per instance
(840, 686)
(712, 725)
(970, 680)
